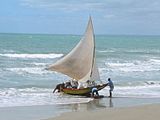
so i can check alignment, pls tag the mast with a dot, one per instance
(93, 60)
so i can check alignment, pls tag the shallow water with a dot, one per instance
(132, 62)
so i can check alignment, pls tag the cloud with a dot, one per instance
(108, 16)
(70, 5)
(107, 8)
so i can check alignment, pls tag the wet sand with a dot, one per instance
(145, 112)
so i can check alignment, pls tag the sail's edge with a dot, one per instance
(79, 62)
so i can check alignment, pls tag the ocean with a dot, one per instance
(132, 62)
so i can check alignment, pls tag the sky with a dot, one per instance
(111, 17)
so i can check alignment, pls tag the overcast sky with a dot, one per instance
(140, 17)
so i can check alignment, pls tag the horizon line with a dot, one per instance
(80, 34)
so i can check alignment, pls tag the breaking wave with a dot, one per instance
(7, 51)
(29, 70)
(105, 51)
(141, 91)
(114, 50)
(151, 91)
(10, 97)
(134, 66)
(42, 56)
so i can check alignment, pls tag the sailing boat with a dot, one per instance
(80, 64)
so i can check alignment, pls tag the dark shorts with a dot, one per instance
(111, 89)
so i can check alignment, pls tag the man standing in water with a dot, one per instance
(111, 85)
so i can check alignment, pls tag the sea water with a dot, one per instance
(132, 62)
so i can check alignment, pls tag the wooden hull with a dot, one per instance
(83, 91)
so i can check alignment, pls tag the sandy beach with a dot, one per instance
(145, 112)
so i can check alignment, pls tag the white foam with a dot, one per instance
(134, 66)
(22, 97)
(39, 64)
(130, 50)
(106, 51)
(42, 56)
(36, 96)
(146, 91)
(155, 61)
(7, 51)
(10, 97)
(30, 70)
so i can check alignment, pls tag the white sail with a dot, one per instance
(80, 64)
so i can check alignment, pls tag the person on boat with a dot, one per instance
(74, 83)
(89, 83)
(94, 90)
(111, 86)
(68, 84)
(59, 87)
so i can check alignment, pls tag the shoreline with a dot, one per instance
(43, 112)
(141, 112)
